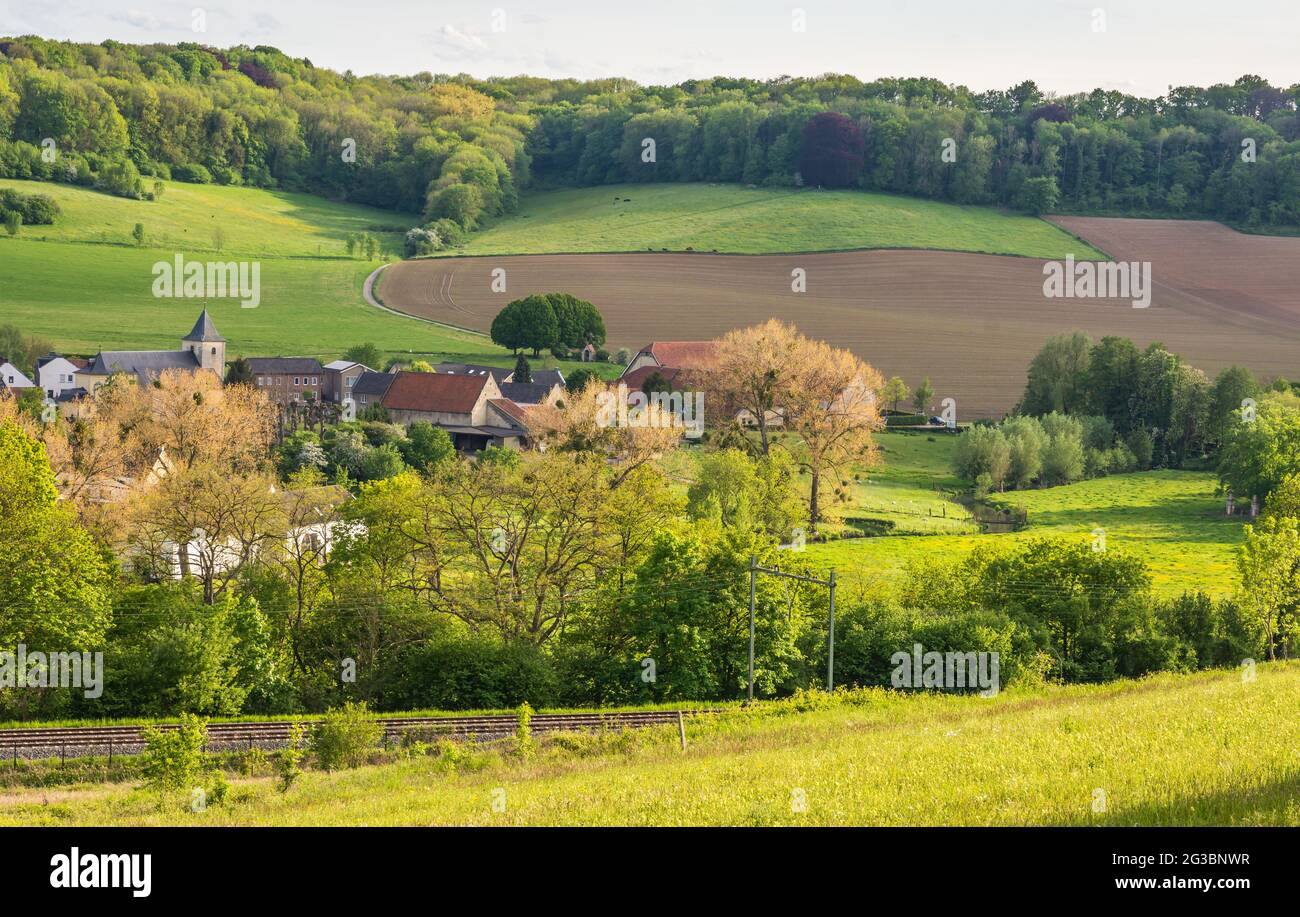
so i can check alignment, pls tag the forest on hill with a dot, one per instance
(457, 150)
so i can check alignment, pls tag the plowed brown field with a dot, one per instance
(970, 322)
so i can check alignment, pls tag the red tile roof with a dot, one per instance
(688, 354)
(434, 392)
(637, 377)
(515, 412)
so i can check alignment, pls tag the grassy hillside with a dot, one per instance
(91, 297)
(85, 285)
(186, 218)
(1206, 749)
(731, 218)
(1173, 520)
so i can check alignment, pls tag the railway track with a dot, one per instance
(81, 741)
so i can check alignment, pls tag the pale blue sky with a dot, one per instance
(1144, 47)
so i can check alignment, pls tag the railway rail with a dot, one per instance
(81, 741)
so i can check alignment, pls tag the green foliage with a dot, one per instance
(289, 760)
(346, 736)
(173, 758)
(524, 746)
(171, 653)
(55, 584)
(1258, 455)
(365, 354)
(427, 446)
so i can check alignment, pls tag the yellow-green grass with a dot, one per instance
(1172, 520)
(910, 486)
(186, 219)
(91, 297)
(736, 219)
(1207, 749)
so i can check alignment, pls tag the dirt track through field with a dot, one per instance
(970, 322)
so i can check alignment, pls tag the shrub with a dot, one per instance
(524, 731)
(172, 758)
(288, 764)
(192, 172)
(346, 736)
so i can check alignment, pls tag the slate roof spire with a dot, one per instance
(204, 330)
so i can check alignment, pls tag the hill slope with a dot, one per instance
(739, 220)
(1206, 749)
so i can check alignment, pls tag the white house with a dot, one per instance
(58, 374)
(11, 378)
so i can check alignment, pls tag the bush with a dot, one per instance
(346, 736)
(449, 232)
(421, 241)
(288, 764)
(192, 172)
(474, 674)
(172, 758)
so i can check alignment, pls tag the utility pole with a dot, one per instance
(754, 570)
(753, 579)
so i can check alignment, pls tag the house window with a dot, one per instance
(351, 379)
(259, 381)
(295, 381)
(214, 351)
(313, 380)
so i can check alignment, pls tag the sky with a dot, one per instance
(1140, 47)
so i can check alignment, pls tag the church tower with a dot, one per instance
(208, 347)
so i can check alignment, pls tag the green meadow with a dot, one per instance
(1214, 748)
(733, 218)
(91, 297)
(190, 218)
(1173, 520)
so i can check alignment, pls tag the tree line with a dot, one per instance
(457, 149)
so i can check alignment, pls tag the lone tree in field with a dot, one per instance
(896, 391)
(921, 398)
(833, 151)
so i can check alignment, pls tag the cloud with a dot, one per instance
(453, 39)
(137, 18)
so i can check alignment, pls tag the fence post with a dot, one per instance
(830, 641)
(681, 729)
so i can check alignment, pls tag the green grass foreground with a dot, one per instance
(735, 219)
(1214, 748)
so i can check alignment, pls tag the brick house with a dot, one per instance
(286, 379)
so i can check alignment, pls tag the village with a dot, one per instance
(477, 405)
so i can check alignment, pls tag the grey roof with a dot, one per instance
(525, 392)
(72, 394)
(499, 374)
(372, 383)
(204, 330)
(270, 366)
(547, 377)
(143, 364)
